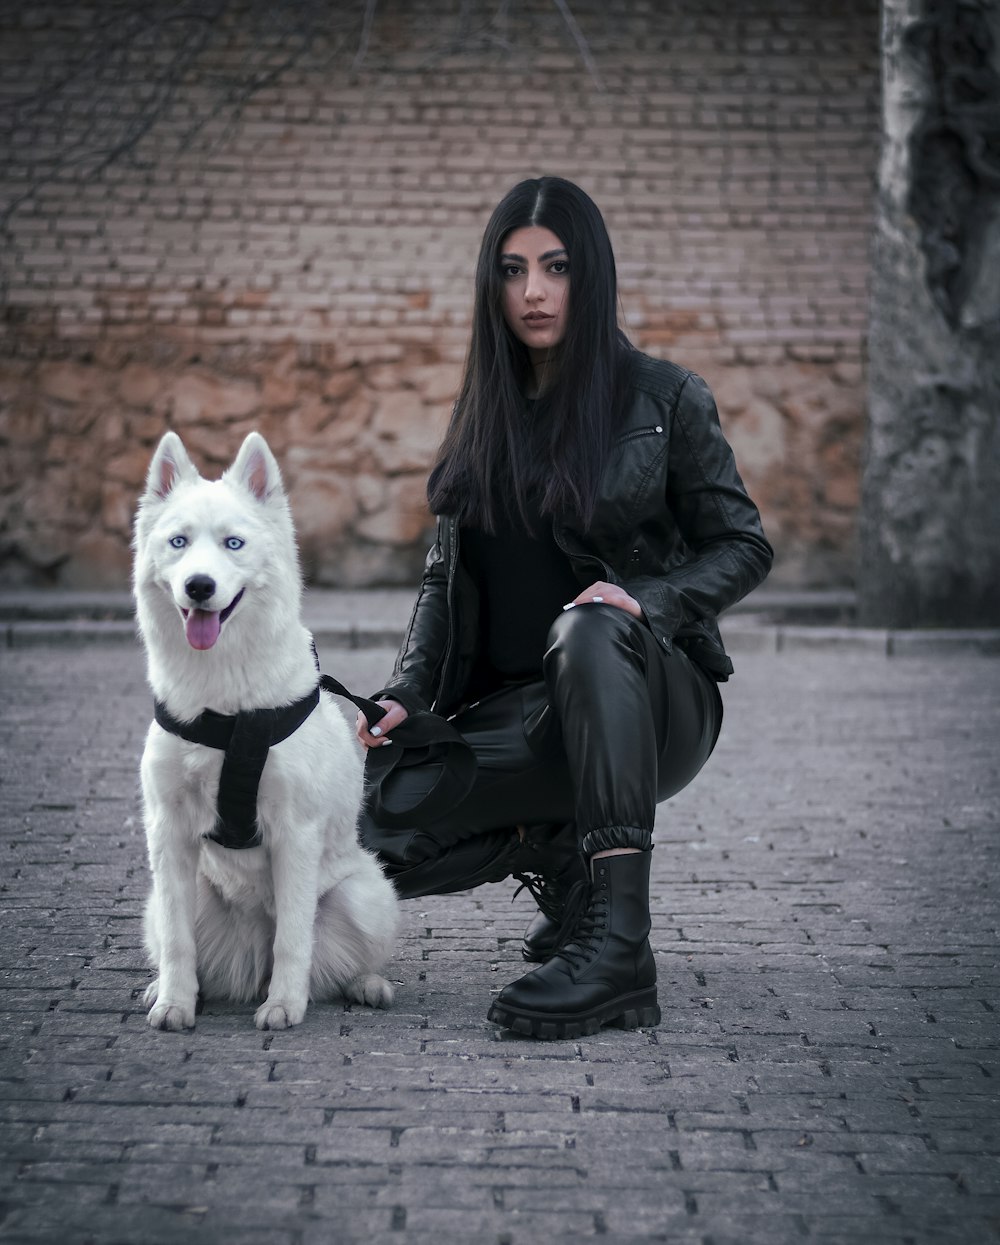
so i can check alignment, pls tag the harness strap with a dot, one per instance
(245, 738)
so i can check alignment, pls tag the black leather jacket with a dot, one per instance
(673, 526)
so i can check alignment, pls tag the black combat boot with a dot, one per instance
(603, 972)
(551, 874)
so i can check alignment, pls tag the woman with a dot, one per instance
(591, 525)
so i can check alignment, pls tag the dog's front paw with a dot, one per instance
(171, 1017)
(370, 989)
(274, 1014)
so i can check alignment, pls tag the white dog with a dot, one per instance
(307, 912)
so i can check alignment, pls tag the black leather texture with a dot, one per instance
(673, 526)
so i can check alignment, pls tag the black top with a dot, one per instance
(524, 579)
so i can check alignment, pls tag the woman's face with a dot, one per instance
(535, 270)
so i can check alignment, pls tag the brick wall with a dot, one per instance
(223, 224)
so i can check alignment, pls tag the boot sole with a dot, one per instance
(628, 1011)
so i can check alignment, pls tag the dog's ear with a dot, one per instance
(256, 468)
(170, 465)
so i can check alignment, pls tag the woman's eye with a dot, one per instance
(234, 542)
(559, 267)
(510, 270)
(178, 542)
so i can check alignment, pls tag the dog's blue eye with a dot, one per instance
(234, 542)
(178, 542)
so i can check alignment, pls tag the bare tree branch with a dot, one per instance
(134, 68)
(578, 37)
(366, 30)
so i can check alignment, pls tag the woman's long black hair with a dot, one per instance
(492, 459)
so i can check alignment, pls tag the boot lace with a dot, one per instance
(548, 895)
(585, 923)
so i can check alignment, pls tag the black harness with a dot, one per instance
(247, 737)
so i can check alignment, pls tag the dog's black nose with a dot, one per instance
(200, 587)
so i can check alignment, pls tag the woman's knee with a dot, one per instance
(592, 632)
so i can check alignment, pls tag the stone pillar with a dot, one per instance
(930, 515)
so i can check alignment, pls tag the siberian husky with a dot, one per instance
(307, 913)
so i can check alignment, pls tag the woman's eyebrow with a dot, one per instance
(541, 259)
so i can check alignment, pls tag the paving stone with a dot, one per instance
(824, 908)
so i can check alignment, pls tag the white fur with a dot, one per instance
(308, 913)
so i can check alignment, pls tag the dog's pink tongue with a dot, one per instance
(202, 628)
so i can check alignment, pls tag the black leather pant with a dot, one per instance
(616, 726)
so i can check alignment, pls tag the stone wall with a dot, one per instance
(249, 220)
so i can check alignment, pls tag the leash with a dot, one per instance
(421, 738)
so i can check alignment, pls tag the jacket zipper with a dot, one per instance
(450, 573)
(639, 432)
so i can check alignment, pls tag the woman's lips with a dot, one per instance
(534, 321)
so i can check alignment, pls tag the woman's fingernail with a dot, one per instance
(375, 730)
(385, 743)
(569, 607)
(597, 598)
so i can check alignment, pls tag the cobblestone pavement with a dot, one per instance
(825, 924)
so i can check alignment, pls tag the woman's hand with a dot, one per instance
(377, 736)
(610, 594)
